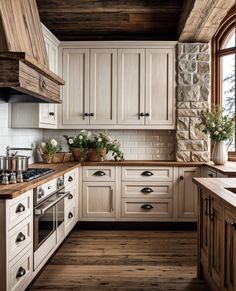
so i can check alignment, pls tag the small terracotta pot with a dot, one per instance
(76, 152)
(93, 155)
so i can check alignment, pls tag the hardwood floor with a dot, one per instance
(123, 260)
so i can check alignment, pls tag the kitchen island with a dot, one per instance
(217, 232)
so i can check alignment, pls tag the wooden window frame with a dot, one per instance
(226, 26)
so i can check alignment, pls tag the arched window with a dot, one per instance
(223, 68)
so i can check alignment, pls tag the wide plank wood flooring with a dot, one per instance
(123, 260)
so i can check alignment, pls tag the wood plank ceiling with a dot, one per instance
(112, 19)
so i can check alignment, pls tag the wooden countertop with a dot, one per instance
(228, 169)
(218, 187)
(13, 190)
(143, 163)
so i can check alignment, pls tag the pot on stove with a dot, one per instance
(14, 163)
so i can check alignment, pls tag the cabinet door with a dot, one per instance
(98, 200)
(188, 195)
(216, 246)
(160, 86)
(230, 251)
(131, 83)
(103, 86)
(204, 229)
(75, 72)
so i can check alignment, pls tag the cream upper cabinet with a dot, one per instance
(75, 97)
(159, 87)
(188, 196)
(39, 115)
(131, 86)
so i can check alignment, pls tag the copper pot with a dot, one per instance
(93, 155)
(76, 152)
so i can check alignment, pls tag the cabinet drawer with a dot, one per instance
(98, 173)
(71, 199)
(150, 190)
(142, 208)
(20, 272)
(19, 208)
(19, 237)
(47, 188)
(147, 174)
(211, 173)
(70, 178)
(71, 218)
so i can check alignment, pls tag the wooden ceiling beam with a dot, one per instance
(203, 20)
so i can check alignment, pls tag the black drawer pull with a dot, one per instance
(20, 237)
(233, 225)
(181, 178)
(210, 175)
(70, 196)
(146, 190)
(141, 114)
(147, 206)
(147, 173)
(99, 173)
(20, 208)
(20, 273)
(70, 179)
(51, 113)
(70, 215)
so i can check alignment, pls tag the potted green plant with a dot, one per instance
(79, 144)
(220, 128)
(50, 152)
(101, 144)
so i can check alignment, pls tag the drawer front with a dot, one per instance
(32, 80)
(96, 174)
(19, 208)
(71, 218)
(20, 272)
(48, 188)
(150, 190)
(70, 178)
(71, 199)
(147, 174)
(211, 173)
(20, 237)
(141, 208)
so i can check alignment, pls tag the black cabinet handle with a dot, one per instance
(147, 114)
(99, 173)
(70, 215)
(70, 196)
(210, 175)
(20, 273)
(20, 237)
(181, 178)
(141, 114)
(91, 114)
(70, 179)
(147, 173)
(233, 225)
(146, 190)
(86, 114)
(20, 208)
(208, 211)
(147, 206)
(51, 113)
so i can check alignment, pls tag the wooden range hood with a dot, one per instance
(24, 71)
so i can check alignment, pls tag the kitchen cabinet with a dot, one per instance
(210, 173)
(39, 115)
(118, 85)
(188, 198)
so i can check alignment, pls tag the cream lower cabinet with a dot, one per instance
(99, 200)
(187, 191)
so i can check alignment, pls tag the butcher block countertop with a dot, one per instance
(11, 191)
(217, 186)
(228, 169)
(144, 163)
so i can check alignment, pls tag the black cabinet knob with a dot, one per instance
(70, 196)
(147, 114)
(91, 114)
(99, 173)
(20, 273)
(146, 190)
(141, 114)
(147, 173)
(233, 225)
(70, 215)
(20, 237)
(51, 113)
(210, 175)
(147, 206)
(86, 114)
(181, 178)
(70, 179)
(20, 208)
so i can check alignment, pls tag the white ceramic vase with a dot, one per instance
(220, 153)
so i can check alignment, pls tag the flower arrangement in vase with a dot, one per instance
(220, 128)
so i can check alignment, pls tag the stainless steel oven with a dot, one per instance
(49, 224)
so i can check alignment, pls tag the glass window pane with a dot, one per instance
(229, 40)
(228, 87)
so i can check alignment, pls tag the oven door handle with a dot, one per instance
(41, 210)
